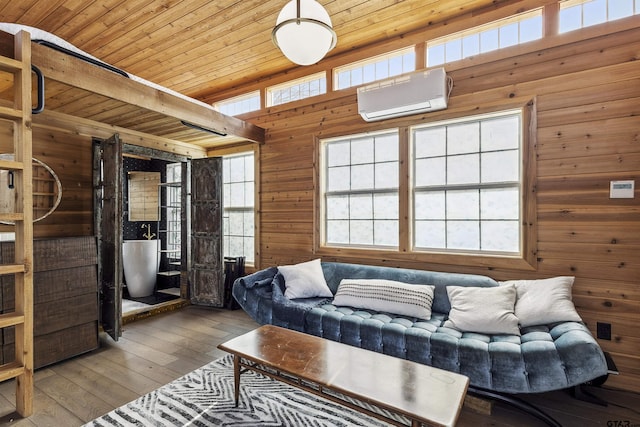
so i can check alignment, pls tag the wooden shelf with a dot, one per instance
(168, 273)
(10, 370)
(11, 164)
(11, 319)
(10, 64)
(11, 268)
(10, 113)
(12, 217)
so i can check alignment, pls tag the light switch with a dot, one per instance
(622, 189)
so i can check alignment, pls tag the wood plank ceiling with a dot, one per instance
(203, 47)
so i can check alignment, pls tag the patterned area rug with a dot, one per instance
(204, 398)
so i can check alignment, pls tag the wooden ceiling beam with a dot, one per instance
(75, 72)
(90, 128)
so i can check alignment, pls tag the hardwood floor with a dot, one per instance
(156, 350)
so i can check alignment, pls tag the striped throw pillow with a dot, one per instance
(387, 296)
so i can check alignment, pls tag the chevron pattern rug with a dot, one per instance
(204, 398)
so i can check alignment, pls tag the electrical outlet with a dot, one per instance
(603, 331)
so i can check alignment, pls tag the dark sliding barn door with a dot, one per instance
(107, 172)
(206, 275)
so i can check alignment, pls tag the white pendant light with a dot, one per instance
(303, 32)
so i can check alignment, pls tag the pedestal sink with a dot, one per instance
(141, 262)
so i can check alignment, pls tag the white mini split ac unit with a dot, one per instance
(404, 95)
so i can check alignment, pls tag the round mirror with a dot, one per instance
(47, 190)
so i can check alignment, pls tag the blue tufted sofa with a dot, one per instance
(543, 358)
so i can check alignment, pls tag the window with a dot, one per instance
(239, 104)
(172, 202)
(372, 69)
(519, 29)
(465, 191)
(295, 90)
(576, 14)
(238, 206)
(360, 190)
(466, 184)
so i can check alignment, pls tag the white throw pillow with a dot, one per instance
(305, 280)
(483, 310)
(386, 295)
(544, 301)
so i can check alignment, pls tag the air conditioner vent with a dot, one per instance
(404, 95)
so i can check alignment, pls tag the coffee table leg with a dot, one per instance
(236, 378)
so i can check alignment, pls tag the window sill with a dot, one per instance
(386, 256)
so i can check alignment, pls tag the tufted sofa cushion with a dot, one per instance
(542, 358)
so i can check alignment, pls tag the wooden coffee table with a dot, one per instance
(421, 393)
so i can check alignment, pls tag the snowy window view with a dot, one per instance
(173, 209)
(374, 69)
(579, 14)
(238, 202)
(296, 90)
(466, 184)
(361, 190)
(239, 104)
(485, 38)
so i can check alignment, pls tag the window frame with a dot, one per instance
(474, 186)
(564, 5)
(319, 76)
(374, 61)
(173, 195)
(253, 95)
(479, 30)
(526, 260)
(373, 191)
(239, 151)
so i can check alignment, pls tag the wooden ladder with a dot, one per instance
(22, 318)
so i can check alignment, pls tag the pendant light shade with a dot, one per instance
(303, 32)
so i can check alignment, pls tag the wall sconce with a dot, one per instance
(303, 32)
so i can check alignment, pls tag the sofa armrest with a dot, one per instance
(253, 293)
(290, 313)
(259, 278)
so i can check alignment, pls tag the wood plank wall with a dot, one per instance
(588, 100)
(587, 95)
(69, 156)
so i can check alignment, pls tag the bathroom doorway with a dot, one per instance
(185, 218)
(151, 232)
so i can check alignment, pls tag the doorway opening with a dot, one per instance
(152, 209)
(186, 235)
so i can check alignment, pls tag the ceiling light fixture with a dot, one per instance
(303, 32)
